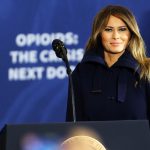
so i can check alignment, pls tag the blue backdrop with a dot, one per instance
(33, 81)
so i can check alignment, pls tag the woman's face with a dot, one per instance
(115, 36)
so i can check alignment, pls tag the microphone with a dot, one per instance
(60, 49)
(61, 52)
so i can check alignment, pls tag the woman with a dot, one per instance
(112, 82)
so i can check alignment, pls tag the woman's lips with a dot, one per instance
(115, 44)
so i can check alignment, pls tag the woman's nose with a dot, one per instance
(115, 35)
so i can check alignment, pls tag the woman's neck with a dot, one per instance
(111, 58)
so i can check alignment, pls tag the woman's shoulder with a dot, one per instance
(84, 67)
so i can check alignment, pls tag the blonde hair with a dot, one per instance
(136, 44)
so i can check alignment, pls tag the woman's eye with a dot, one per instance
(108, 29)
(122, 29)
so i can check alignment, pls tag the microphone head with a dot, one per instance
(59, 48)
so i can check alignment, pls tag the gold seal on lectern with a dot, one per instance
(82, 143)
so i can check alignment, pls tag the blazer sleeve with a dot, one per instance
(148, 99)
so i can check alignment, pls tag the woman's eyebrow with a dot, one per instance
(118, 26)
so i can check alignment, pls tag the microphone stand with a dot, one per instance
(61, 52)
(69, 72)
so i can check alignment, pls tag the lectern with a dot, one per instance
(115, 135)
